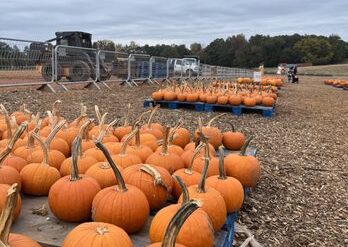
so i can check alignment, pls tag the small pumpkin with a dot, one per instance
(37, 178)
(121, 131)
(245, 168)
(233, 140)
(153, 128)
(142, 151)
(230, 188)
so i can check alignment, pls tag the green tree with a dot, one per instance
(106, 45)
(314, 50)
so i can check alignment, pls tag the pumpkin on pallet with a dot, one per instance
(70, 198)
(230, 188)
(6, 217)
(245, 168)
(123, 205)
(233, 140)
(203, 235)
(211, 198)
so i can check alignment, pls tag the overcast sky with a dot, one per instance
(175, 21)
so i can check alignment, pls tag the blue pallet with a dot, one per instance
(238, 110)
(199, 106)
(175, 104)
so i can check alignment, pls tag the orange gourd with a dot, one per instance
(232, 139)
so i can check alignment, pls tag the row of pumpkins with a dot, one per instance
(265, 81)
(336, 82)
(223, 93)
(116, 175)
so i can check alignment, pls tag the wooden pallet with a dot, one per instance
(199, 106)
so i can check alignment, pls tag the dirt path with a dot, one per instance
(302, 198)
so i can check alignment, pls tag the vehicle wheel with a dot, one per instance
(46, 71)
(79, 71)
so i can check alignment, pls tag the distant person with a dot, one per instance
(292, 75)
(262, 69)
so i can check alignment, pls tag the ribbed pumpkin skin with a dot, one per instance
(103, 173)
(231, 190)
(83, 163)
(61, 145)
(213, 169)
(156, 195)
(71, 201)
(235, 100)
(172, 149)
(153, 131)
(147, 140)
(213, 134)
(9, 175)
(188, 179)
(126, 160)
(233, 140)
(19, 240)
(16, 162)
(197, 230)
(37, 179)
(120, 132)
(268, 101)
(95, 153)
(181, 137)
(128, 210)
(55, 158)
(86, 235)
(143, 152)
(213, 204)
(171, 162)
(244, 168)
(3, 193)
(249, 101)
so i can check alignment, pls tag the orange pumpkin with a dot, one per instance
(70, 198)
(123, 205)
(230, 188)
(243, 167)
(233, 140)
(4, 188)
(213, 134)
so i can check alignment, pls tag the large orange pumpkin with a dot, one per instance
(213, 134)
(142, 151)
(232, 139)
(123, 205)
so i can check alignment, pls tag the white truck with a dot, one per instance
(188, 66)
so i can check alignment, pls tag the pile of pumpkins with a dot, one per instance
(109, 177)
(337, 83)
(272, 81)
(218, 92)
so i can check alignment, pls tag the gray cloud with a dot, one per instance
(176, 21)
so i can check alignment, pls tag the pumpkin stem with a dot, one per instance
(138, 120)
(126, 117)
(10, 143)
(127, 141)
(164, 150)
(7, 121)
(97, 113)
(31, 138)
(149, 121)
(102, 230)
(74, 158)
(201, 184)
(120, 180)
(137, 138)
(185, 194)
(178, 221)
(222, 173)
(6, 216)
(82, 133)
(155, 175)
(214, 118)
(195, 153)
(55, 109)
(102, 121)
(43, 146)
(245, 145)
(173, 130)
(232, 126)
(54, 132)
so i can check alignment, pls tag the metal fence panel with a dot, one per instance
(157, 69)
(25, 63)
(113, 66)
(138, 69)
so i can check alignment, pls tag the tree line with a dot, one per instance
(238, 51)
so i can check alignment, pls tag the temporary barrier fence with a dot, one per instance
(158, 69)
(138, 69)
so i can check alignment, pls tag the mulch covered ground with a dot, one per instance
(302, 197)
